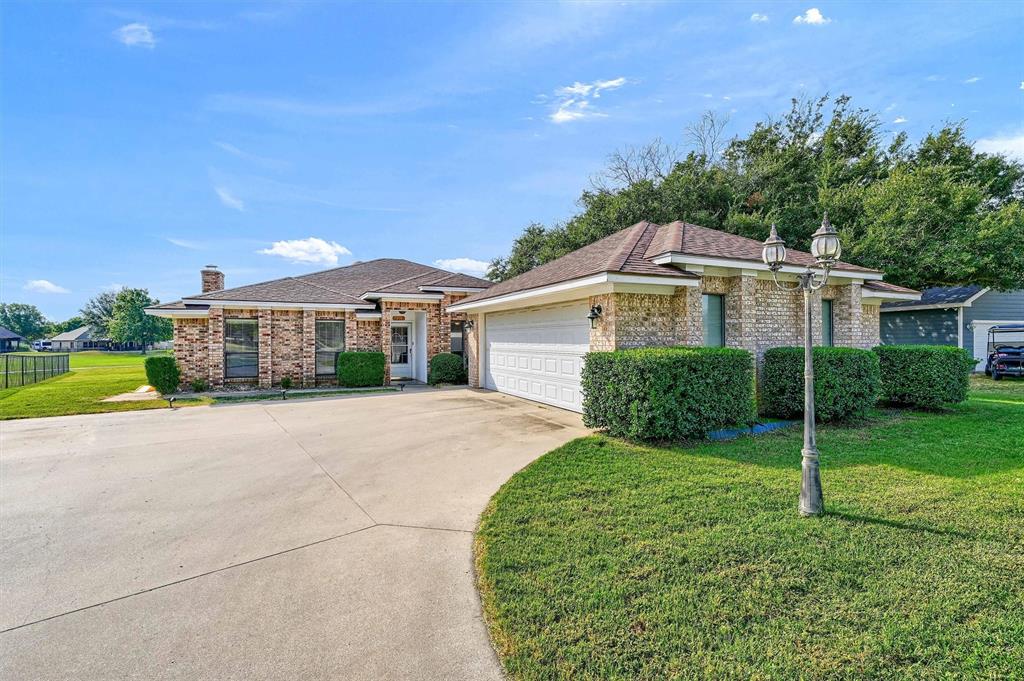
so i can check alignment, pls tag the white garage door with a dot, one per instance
(538, 353)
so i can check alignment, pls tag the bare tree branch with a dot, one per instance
(652, 161)
(705, 135)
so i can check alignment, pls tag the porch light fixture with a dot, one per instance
(468, 325)
(826, 249)
(595, 314)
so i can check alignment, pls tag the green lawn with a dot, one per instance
(608, 560)
(93, 376)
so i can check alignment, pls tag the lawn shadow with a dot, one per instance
(896, 524)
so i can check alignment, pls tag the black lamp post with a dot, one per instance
(825, 248)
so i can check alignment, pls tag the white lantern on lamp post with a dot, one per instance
(826, 249)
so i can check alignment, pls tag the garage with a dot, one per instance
(538, 353)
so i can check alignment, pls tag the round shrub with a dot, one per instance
(447, 368)
(925, 376)
(199, 385)
(657, 394)
(846, 383)
(360, 369)
(163, 374)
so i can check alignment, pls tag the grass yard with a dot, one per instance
(93, 376)
(604, 559)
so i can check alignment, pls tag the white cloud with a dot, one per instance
(900, 119)
(1011, 145)
(136, 35)
(312, 251)
(758, 18)
(44, 286)
(891, 107)
(477, 268)
(185, 243)
(972, 80)
(812, 16)
(228, 199)
(573, 102)
(935, 78)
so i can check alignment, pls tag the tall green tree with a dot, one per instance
(66, 325)
(23, 319)
(129, 322)
(98, 312)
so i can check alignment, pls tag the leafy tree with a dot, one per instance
(67, 325)
(23, 319)
(98, 312)
(130, 323)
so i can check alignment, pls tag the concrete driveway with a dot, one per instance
(305, 539)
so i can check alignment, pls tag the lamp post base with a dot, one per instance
(811, 501)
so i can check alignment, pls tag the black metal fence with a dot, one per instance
(18, 370)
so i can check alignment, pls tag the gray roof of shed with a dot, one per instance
(953, 296)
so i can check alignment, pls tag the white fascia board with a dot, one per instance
(253, 304)
(402, 297)
(917, 308)
(453, 289)
(574, 285)
(893, 295)
(979, 294)
(177, 314)
(363, 316)
(730, 263)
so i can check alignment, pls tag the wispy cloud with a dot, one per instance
(1011, 145)
(136, 35)
(477, 268)
(257, 105)
(185, 243)
(758, 18)
(311, 251)
(228, 199)
(934, 78)
(574, 102)
(900, 119)
(813, 16)
(247, 156)
(972, 80)
(44, 286)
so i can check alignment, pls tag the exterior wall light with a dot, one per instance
(595, 314)
(468, 325)
(826, 249)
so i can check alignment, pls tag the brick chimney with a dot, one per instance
(213, 279)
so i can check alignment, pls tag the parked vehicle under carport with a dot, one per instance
(1005, 358)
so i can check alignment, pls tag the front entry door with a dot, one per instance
(401, 351)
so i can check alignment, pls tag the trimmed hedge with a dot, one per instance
(677, 393)
(163, 374)
(446, 367)
(846, 383)
(360, 369)
(925, 376)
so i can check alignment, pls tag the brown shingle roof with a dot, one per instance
(619, 252)
(889, 288)
(345, 285)
(631, 250)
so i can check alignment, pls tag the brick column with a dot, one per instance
(216, 347)
(385, 340)
(472, 345)
(815, 317)
(741, 313)
(351, 330)
(309, 348)
(265, 332)
(693, 333)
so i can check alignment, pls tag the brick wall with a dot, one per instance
(190, 348)
(636, 320)
(286, 349)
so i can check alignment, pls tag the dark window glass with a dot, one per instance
(330, 340)
(458, 335)
(713, 308)
(399, 344)
(826, 322)
(241, 348)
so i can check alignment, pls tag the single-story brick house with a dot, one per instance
(655, 285)
(646, 285)
(954, 315)
(294, 327)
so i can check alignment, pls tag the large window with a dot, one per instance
(241, 348)
(713, 308)
(330, 340)
(826, 322)
(458, 339)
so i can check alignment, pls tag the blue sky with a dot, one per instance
(141, 142)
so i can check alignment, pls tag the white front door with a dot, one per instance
(401, 350)
(538, 353)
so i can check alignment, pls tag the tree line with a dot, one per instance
(934, 213)
(117, 315)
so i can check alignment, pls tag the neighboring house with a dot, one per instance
(83, 338)
(953, 315)
(655, 285)
(295, 327)
(9, 341)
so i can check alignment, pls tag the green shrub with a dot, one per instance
(925, 376)
(199, 385)
(667, 393)
(163, 374)
(447, 368)
(846, 383)
(360, 369)
(286, 382)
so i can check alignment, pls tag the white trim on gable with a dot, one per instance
(681, 259)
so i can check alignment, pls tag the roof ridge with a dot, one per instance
(402, 281)
(627, 248)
